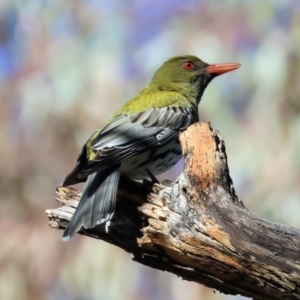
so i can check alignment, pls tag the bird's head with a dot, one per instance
(189, 74)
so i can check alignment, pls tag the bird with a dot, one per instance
(141, 140)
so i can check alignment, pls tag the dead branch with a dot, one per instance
(197, 228)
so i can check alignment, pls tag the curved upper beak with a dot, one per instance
(218, 69)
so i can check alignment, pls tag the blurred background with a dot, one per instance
(66, 66)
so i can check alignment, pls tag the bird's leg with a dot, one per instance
(152, 177)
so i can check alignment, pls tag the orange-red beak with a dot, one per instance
(218, 69)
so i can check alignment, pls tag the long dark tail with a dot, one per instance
(97, 203)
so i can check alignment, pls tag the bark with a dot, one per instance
(197, 227)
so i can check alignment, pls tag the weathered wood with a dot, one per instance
(197, 228)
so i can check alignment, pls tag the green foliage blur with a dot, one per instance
(67, 66)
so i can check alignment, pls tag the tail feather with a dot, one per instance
(97, 203)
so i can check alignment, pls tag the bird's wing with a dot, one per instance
(129, 135)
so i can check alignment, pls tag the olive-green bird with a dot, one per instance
(141, 139)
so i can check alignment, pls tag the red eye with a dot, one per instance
(188, 65)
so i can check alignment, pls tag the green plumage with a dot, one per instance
(140, 139)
